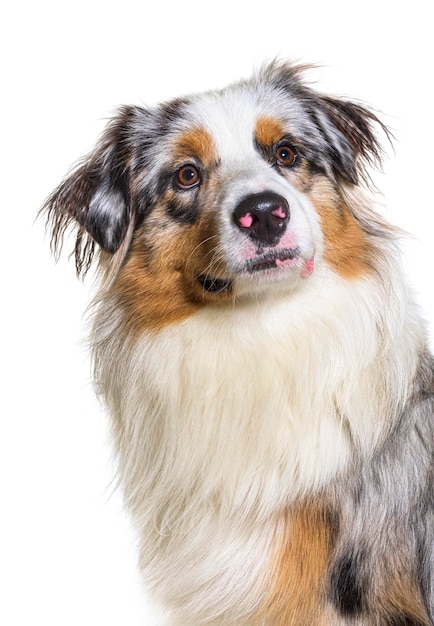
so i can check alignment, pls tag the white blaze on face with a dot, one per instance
(233, 121)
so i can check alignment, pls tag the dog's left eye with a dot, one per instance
(286, 155)
(187, 176)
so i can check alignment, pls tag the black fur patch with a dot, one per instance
(181, 211)
(347, 589)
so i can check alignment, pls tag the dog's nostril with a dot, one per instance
(247, 220)
(279, 213)
(263, 217)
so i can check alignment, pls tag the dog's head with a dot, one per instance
(221, 195)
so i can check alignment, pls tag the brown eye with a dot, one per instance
(188, 176)
(286, 156)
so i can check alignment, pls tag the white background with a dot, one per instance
(67, 553)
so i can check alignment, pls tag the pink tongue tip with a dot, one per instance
(308, 268)
(280, 263)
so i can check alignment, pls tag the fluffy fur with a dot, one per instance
(261, 358)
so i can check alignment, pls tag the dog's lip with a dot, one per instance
(214, 285)
(264, 262)
(271, 259)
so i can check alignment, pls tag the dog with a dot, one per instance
(260, 355)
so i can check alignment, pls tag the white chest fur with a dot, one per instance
(259, 402)
(236, 412)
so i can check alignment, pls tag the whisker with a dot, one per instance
(208, 277)
(203, 242)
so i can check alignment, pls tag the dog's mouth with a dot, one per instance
(270, 260)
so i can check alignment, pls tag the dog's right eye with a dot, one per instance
(187, 177)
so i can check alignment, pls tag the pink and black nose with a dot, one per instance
(263, 217)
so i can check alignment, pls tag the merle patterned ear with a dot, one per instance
(95, 197)
(348, 129)
(345, 141)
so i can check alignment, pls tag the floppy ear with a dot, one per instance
(350, 139)
(344, 132)
(95, 197)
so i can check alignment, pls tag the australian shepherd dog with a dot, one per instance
(262, 360)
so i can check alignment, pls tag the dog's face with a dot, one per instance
(221, 196)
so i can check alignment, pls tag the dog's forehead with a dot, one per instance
(232, 120)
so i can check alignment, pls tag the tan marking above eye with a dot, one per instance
(268, 131)
(196, 144)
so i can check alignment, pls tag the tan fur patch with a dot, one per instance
(158, 283)
(301, 561)
(196, 143)
(268, 131)
(347, 247)
(151, 292)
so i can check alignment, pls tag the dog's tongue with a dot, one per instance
(280, 263)
(308, 268)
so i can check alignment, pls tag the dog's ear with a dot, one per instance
(344, 133)
(95, 196)
(348, 129)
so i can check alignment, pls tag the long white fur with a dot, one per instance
(210, 439)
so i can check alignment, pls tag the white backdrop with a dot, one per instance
(67, 554)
